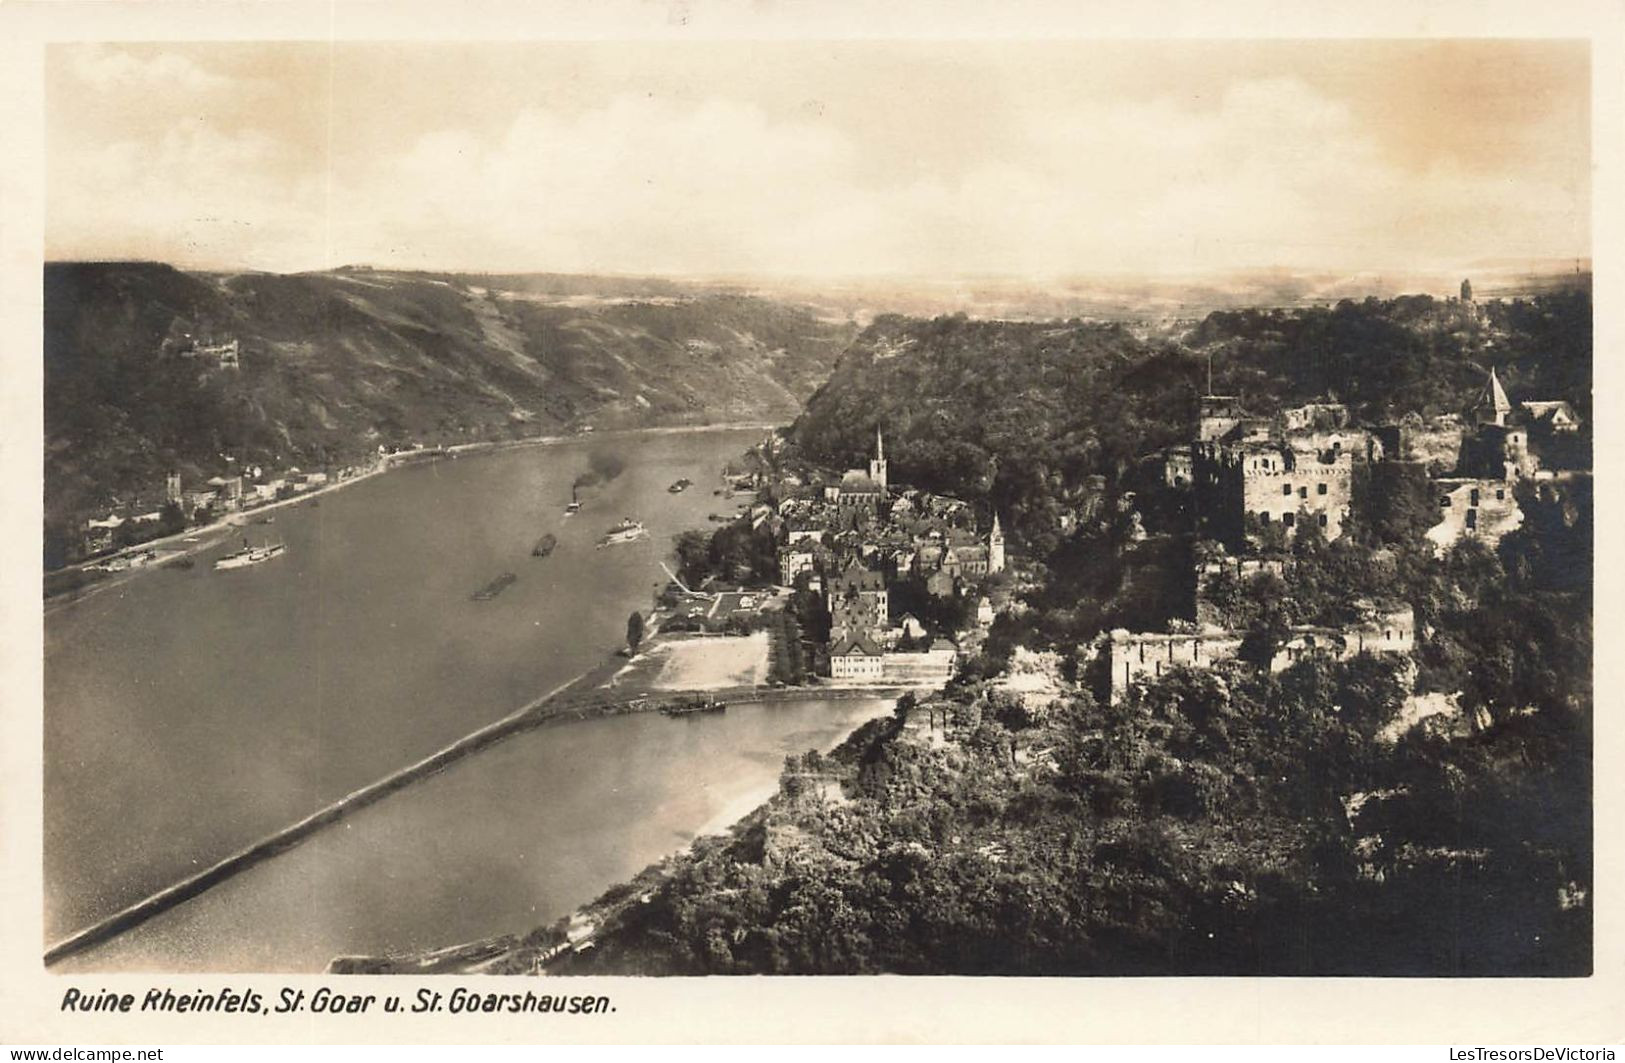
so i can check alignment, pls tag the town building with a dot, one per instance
(857, 600)
(855, 657)
(101, 532)
(1556, 415)
(792, 563)
(228, 490)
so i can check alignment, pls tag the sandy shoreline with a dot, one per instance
(209, 535)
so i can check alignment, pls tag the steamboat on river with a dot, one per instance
(624, 532)
(250, 555)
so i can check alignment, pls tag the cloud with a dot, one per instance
(197, 193)
(1266, 171)
(651, 184)
(105, 67)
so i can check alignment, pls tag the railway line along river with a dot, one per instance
(189, 713)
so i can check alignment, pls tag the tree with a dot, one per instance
(171, 519)
(634, 632)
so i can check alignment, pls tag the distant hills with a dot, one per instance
(1168, 299)
(333, 364)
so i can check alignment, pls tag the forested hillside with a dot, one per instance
(334, 364)
(1021, 414)
(1014, 413)
(1230, 823)
(1239, 819)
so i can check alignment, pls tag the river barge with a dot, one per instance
(494, 588)
(693, 706)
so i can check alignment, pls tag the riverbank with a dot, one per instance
(550, 708)
(181, 545)
(553, 948)
(577, 931)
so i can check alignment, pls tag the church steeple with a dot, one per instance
(877, 464)
(995, 546)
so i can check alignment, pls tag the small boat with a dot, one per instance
(544, 545)
(624, 532)
(680, 486)
(572, 509)
(494, 588)
(250, 555)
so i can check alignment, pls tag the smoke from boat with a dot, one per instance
(602, 467)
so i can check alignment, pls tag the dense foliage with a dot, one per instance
(1231, 821)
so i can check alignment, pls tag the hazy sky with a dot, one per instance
(820, 158)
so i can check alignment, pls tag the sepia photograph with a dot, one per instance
(1075, 508)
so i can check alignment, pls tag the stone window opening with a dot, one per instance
(1286, 489)
(1320, 489)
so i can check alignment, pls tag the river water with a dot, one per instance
(189, 713)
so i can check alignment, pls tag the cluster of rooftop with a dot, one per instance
(853, 538)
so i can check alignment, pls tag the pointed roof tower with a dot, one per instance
(877, 464)
(1493, 406)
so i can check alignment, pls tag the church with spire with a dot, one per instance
(860, 489)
